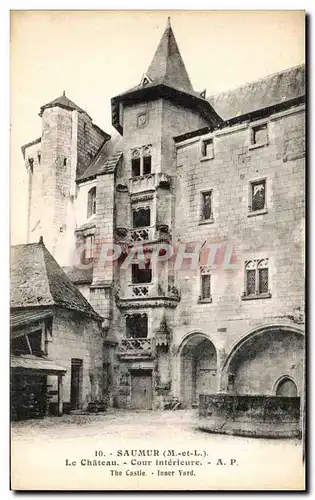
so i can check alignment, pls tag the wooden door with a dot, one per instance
(76, 381)
(141, 390)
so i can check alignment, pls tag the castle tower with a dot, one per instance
(148, 116)
(68, 142)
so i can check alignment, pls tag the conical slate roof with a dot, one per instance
(167, 65)
(37, 280)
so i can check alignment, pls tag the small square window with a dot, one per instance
(258, 195)
(139, 275)
(206, 205)
(207, 149)
(260, 135)
(141, 217)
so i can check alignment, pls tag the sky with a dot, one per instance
(95, 55)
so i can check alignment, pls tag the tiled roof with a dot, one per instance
(29, 362)
(106, 159)
(37, 280)
(86, 225)
(64, 102)
(79, 276)
(265, 92)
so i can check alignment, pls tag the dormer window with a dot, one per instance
(91, 209)
(145, 80)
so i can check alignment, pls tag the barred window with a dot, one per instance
(256, 277)
(141, 275)
(205, 284)
(258, 195)
(206, 205)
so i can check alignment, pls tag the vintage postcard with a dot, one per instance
(157, 250)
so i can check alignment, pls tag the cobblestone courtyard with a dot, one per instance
(41, 448)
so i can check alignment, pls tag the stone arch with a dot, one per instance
(198, 367)
(262, 356)
(290, 390)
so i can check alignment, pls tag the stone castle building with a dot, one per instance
(220, 175)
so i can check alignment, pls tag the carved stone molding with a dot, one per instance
(150, 302)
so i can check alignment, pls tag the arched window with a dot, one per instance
(286, 388)
(91, 209)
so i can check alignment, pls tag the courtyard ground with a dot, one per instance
(94, 452)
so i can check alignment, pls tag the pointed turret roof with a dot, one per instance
(63, 102)
(167, 65)
(166, 77)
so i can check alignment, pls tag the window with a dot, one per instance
(257, 278)
(146, 165)
(205, 285)
(89, 247)
(31, 164)
(91, 209)
(39, 157)
(28, 344)
(135, 167)
(206, 206)
(257, 196)
(259, 135)
(207, 149)
(141, 275)
(141, 217)
(141, 161)
(137, 326)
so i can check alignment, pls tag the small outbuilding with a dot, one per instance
(56, 338)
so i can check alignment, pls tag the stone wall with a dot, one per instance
(90, 139)
(259, 416)
(277, 234)
(75, 336)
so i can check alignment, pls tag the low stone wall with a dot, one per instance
(260, 416)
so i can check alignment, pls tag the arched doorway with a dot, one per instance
(286, 387)
(262, 357)
(198, 369)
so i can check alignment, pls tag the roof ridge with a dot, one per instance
(46, 270)
(286, 70)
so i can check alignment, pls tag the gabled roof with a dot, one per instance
(105, 161)
(63, 102)
(263, 93)
(37, 280)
